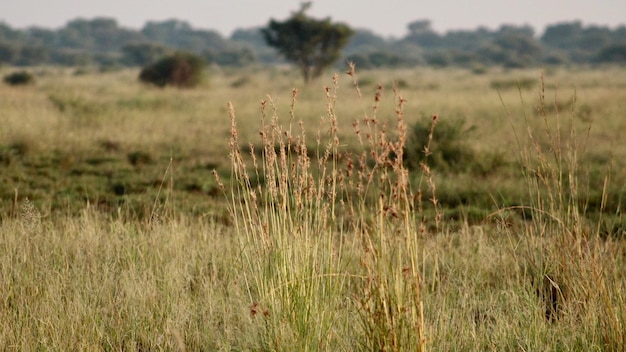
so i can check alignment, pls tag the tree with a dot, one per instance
(562, 35)
(253, 38)
(41, 37)
(310, 44)
(71, 57)
(365, 41)
(421, 33)
(467, 40)
(615, 53)
(521, 50)
(594, 38)
(234, 57)
(9, 52)
(180, 35)
(143, 53)
(96, 35)
(33, 55)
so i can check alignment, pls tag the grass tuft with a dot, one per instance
(298, 226)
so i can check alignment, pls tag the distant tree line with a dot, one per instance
(508, 46)
(101, 41)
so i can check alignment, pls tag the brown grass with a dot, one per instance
(330, 243)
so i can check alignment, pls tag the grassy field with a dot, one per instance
(136, 218)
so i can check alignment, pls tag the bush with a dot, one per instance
(448, 151)
(19, 78)
(183, 70)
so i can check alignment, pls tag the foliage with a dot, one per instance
(236, 57)
(312, 45)
(71, 57)
(253, 39)
(183, 70)
(102, 41)
(421, 33)
(368, 50)
(180, 35)
(19, 78)
(613, 53)
(449, 149)
(365, 41)
(562, 35)
(438, 58)
(9, 52)
(520, 49)
(100, 34)
(33, 55)
(143, 53)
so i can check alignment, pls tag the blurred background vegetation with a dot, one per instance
(101, 41)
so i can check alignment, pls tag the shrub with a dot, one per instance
(183, 70)
(449, 152)
(19, 78)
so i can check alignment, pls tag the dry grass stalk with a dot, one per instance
(568, 261)
(30, 217)
(297, 208)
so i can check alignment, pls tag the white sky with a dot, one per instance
(383, 17)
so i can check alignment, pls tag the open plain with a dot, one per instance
(414, 209)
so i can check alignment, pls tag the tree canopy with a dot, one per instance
(311, 44)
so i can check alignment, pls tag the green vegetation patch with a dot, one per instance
(19, 78)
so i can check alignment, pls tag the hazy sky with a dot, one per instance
(384, 17)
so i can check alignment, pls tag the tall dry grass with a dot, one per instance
(570, 263)
(332, 245)
(329, 230)
(92, 283)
